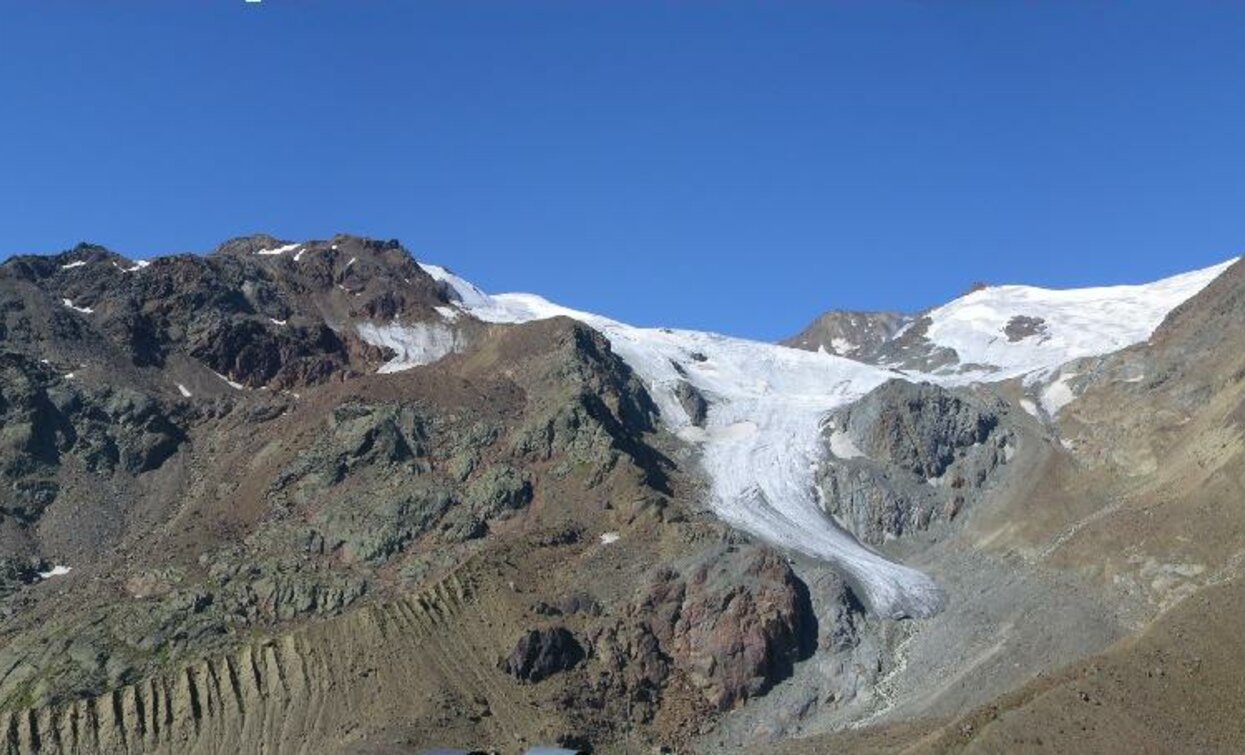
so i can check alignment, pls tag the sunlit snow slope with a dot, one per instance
(1072, 324)
(762, 438)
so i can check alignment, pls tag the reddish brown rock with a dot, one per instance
(541, 653)
(734, 621)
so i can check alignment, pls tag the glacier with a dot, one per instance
(763, 436)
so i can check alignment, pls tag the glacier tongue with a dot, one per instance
(761, 438)
(763, 435)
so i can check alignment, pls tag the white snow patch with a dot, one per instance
(68, 376)
(57, 571)
(299, 255)
(462, 291)
(1078, 322)
(351, 262)
(71, 265)
(232, 384)
(275, 321)
(1058, 394)
(1029, 407)
(184, 390)
(842, 345)
(415, 344)
(84, 310)
(609, 538)
(842, 446)
(278, 250)
(449, 313)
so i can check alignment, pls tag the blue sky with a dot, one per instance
(731, 166)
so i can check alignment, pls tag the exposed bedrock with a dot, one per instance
(858, 335)
(730, 621)
(910, 456)
(541, 653)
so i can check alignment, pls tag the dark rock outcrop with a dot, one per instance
(693, 402)
(1021, 327)
(881, 338)
(920, 428)
(907, 456)
(541, 653)
(731, 621)
(46, 417)
(858, 335)
(253, 316)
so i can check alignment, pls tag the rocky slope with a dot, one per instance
(859, 335)
(246, 528)
(320, 497)
(1145, 507)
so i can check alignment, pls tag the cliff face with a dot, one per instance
(908, 457)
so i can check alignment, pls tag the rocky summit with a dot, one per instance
(321, 497)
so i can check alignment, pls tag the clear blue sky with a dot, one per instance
(723, 165)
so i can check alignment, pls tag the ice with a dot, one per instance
(278, 250)
(763, 437)
(842, 446)
(414, 345)
(1077, 323)
(232, 384)
(459, 289)
(842, 345)
(1058, 394)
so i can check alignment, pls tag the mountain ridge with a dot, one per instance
(298, 441)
